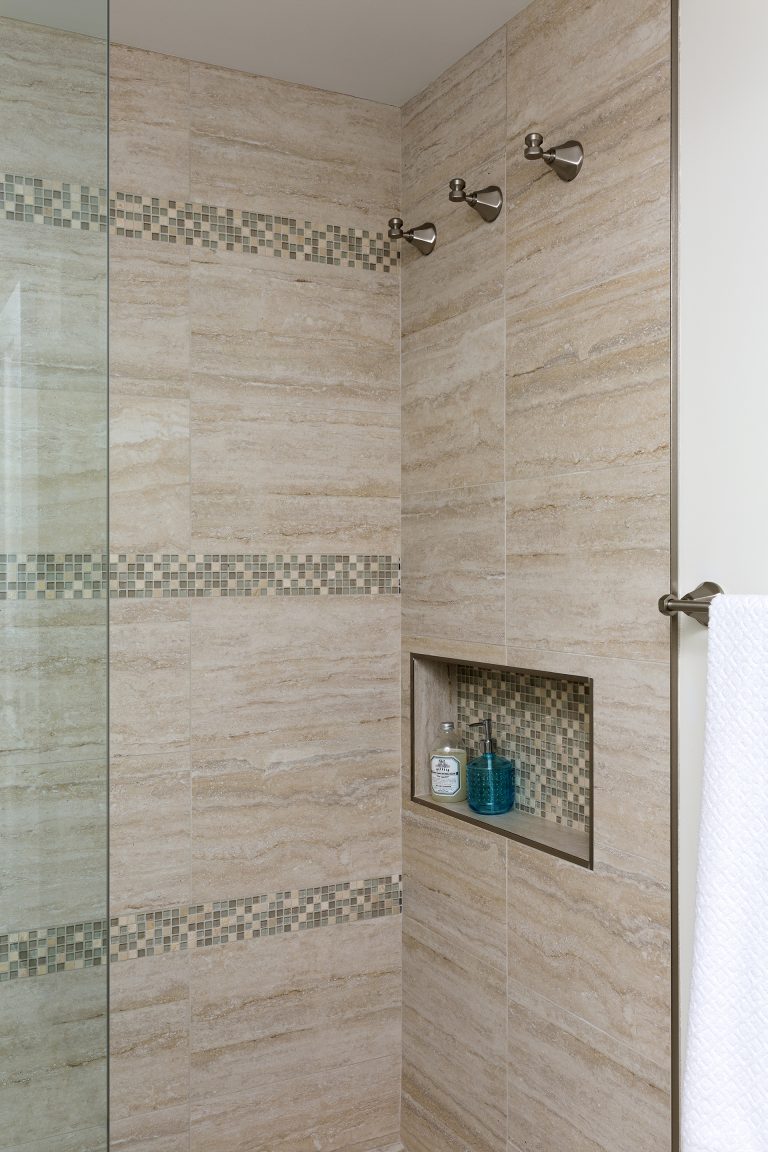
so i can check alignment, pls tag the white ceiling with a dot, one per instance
(379, 51)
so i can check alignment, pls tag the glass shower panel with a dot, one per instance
(54, 575)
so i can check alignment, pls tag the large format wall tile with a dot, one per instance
(267, 1012)
(456, 122)
(150, 828)
(586, 556)
(588, 381)
(453, 402)
(53, 104)
(149, 1035)
(454, 876)
(54, 479)
(53, 1037)
(454, 1047)
(300, 336)
(149, 348)
(148, 123)
(149, 676)
(163, 1131)
(566, 56)
(53, 681)
(149, 472)
(300, 765)
(595, 943)
(274, 147)
(53, 309)
(53, 843)
(453, 564)
(294, 479)
(348, 1109)
(572, 1086)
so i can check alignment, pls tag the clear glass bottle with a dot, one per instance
(490, 778)
(448, 766)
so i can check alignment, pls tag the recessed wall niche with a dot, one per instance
(541, 720)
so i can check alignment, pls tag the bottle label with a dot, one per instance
(446, 775)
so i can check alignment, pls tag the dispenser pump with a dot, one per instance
(487, 737)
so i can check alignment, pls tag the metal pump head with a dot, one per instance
(487, 737)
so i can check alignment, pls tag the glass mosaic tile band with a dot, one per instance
(82, 207)
(157, 576)
(543, 724)
(91, 944)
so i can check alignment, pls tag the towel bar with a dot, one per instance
(695, 604)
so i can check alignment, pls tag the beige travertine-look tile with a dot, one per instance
(456, 123)
(294, 479)
(274, 147)
(576, 1087)
(53, 105)
(149, 676)
(149, 1034)
(149, 474)
(301, 335)
(301, 765)
(595, 943)
(453, 402)
(53, 682)
(588, 381)
(53, 843)
(268, 1011)
(149, 841)
(53, 322)
(453, 564)
(454, 1047)
(163, 1131)
(586, 556)
(454, 877)
(348, 1109)
(149, 135)
(54, 480)
(150, 319)
(53, 1046)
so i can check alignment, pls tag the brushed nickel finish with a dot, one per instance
(694, 604)
(565, 160)
(423, 238)
(487, 202)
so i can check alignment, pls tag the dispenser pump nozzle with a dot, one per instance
(487, 737)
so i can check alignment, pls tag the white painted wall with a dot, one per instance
(723, 443)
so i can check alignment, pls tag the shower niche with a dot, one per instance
(541, 720)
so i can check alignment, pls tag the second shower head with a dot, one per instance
(423, 238)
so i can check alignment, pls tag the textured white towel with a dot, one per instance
(725, 1095)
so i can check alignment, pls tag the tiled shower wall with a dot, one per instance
(255, 733)
(536, 533)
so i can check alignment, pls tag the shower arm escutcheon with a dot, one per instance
(423, 238)
(487, 201)
(565, 160)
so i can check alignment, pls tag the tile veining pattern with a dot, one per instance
(543, 724)
(57, 204)
(136, 935)
(147, 576)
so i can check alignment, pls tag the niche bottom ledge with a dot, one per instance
(557, 840)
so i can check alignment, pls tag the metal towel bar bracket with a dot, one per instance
(695, 604)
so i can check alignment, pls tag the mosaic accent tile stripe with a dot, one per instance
(82, 207)
(543, 724)
(91, 944)
(157, 576)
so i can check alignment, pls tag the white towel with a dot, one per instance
(725, 1094)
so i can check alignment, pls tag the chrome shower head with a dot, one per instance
(565, 160)
(423, 238)
(487, 201)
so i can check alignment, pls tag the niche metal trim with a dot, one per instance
(423, 238)
(565, 160)
(487, 202)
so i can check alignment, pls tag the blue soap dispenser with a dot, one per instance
(490, 778)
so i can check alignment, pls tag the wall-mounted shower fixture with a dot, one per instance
(487, 201)
(423, 238)
(566, 160)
